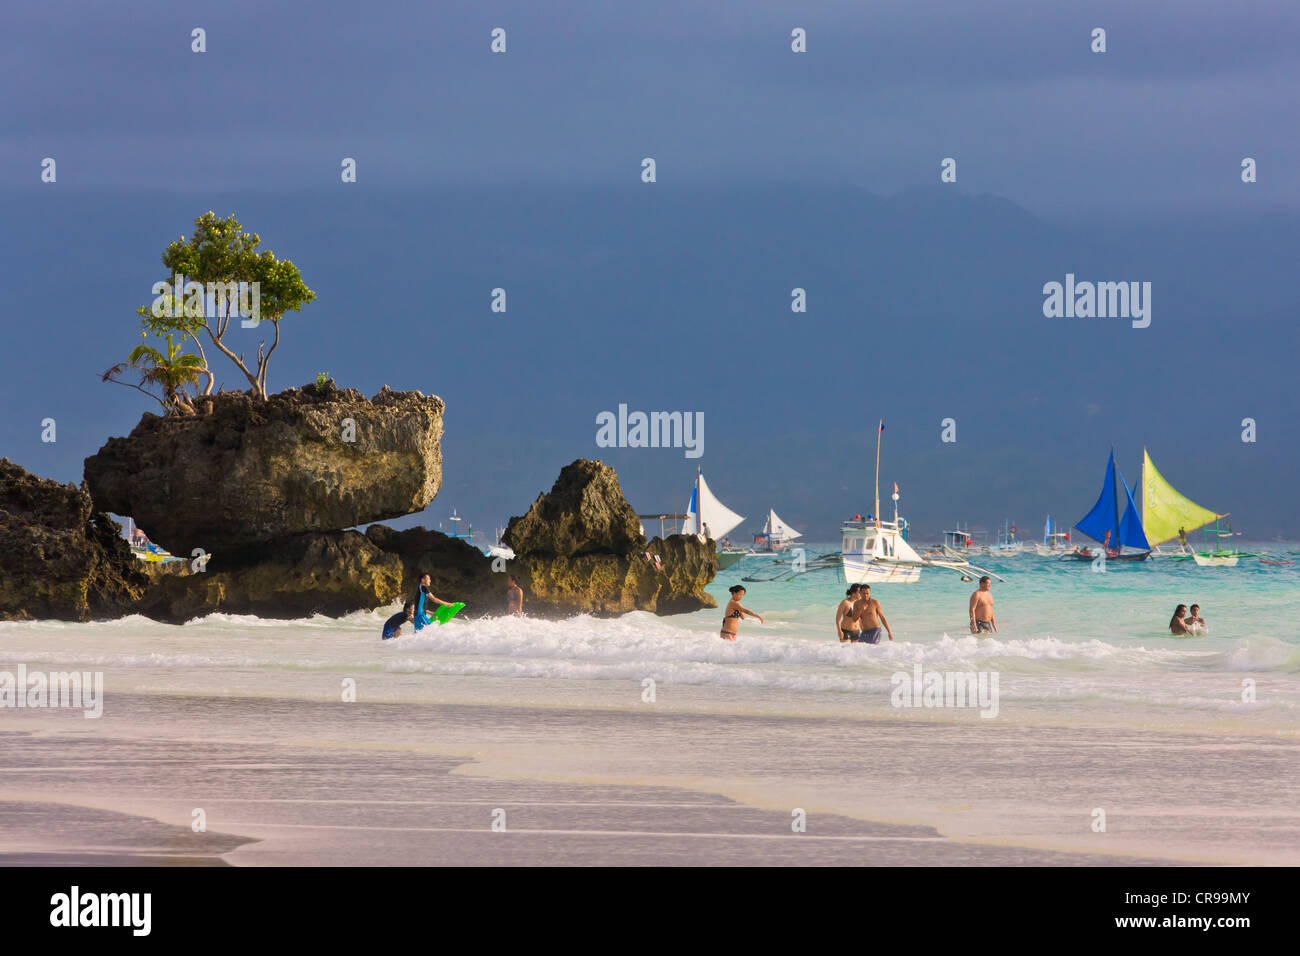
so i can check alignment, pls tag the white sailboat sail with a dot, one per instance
(719, 520)
(777, 528)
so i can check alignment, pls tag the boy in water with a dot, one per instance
(393, 626)
(425, 598)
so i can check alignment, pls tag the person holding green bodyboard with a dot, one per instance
(425, 600)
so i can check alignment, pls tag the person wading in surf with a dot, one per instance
(424, 599)
(981, 609)
(869, 617)
(846, 628)
(735, 613)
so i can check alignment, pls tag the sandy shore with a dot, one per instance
(307, 782)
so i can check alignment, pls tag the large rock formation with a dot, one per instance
(244, 471)
(580, 549)
(333, 573)
(584, 513)
(58, 558)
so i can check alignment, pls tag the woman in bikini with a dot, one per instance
(1176, 624)
(734, 614)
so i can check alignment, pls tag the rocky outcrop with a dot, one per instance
(579, 550)
(244, 471)
(58, 557)
(583, 513)
(333, 573)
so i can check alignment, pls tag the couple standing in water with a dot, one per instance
(859, 619)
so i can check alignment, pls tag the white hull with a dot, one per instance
(858, 571)
(1216, 561)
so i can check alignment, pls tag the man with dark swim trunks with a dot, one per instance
(981, 609)
(846, 628)
(870, 617)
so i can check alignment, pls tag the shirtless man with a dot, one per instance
(1195, 623)
(846, 628)
(981, 610)
(514, 596)
(869, 616)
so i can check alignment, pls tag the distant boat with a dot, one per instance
(1104, 525)
(1167, 514)
(874, 550)
(776, 534)
(958, 541)
(708, 516)
(1054, 542)
(1007, 543)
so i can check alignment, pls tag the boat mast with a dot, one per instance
(880, 430)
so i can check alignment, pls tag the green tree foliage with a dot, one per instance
(220, 255)
(172, 374)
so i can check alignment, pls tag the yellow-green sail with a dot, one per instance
(1164, 510)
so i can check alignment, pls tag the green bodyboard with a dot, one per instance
(445, 612)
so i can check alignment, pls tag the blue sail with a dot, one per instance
(1130, 528)
(1103, 517)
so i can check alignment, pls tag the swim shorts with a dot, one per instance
(983, 627)
(870, 635)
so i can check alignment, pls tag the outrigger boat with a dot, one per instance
(958, 541)
(1007, 543)
(775, 536)
(874, 550)
(709, 518)
(1167, 514)
(1104, 525)
(1054, 543)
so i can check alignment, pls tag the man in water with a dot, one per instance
(869, 617)
(393, 626)
(846, 628)
(981, 609)
(425, 598)
(1194, 622)
(514, 596)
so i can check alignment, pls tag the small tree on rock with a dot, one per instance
(220, 256)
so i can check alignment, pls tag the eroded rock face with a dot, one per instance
(606, 585)
(58, 557)
(243, 472)
(583, 513)
(332, 573)
(579, 550)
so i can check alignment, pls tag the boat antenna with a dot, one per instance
(879, 432)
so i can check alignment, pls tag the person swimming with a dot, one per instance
(846, 627)
(1195, 623)
(735, 613)
(1177, 623)
(393, 626)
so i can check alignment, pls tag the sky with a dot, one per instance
(775, 170)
